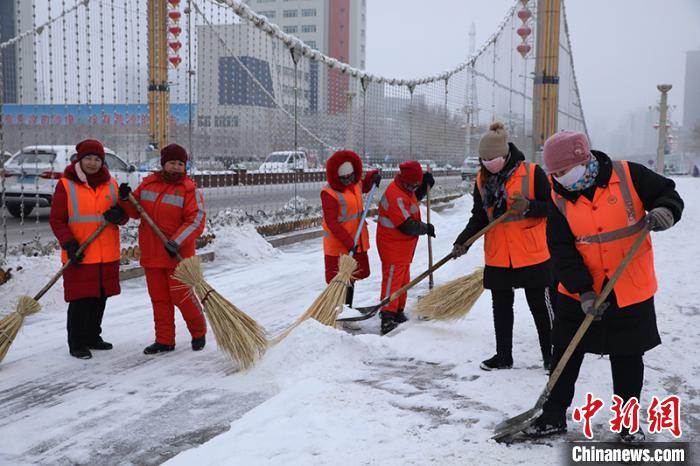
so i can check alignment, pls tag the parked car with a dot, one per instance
(425, 164)
(470, 168)
(285, 161)
(31, 175)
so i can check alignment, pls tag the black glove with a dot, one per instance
(587, 300)
(459, 250)
(114, 214)
(659, 219)
(124, 191)
(172, 248)
(431, 230)
(71, 248)
(353, 250)
(428, 179)
(376, 179)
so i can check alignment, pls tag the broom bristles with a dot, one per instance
(11, 324)
(236, 333)
(327, 305)
(453, 300)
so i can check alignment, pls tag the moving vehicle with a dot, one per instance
(32, 173)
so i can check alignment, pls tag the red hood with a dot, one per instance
(101, 177)
(336, 161)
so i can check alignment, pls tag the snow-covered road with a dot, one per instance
(321, 396)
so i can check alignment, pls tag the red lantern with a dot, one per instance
(175, 60)
(524, 31)
(524, 15)
(174, 2)
(523, 49)
(524, 2)
(175, 30)
(175, 45)
(174, 15)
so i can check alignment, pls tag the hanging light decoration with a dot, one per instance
(175, 30)
(174, 15)
(524, 31)
(175, 60)
(175, 45)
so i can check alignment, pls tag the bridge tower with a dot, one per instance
(158, 88)
(471, 109)
(546, 89)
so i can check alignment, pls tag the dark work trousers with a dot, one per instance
(503, 320)
(627, 375)
(85, 322)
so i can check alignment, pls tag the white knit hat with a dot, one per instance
(345, 169)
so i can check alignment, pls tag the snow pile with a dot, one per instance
(241, 244)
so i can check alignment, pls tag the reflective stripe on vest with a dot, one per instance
(634, 225)
(76, 217)
(172, 199)
(149, 195)
(348, 220)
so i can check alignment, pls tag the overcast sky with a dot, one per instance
(622, 48)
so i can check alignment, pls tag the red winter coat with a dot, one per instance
(83, 280)
(178, 210)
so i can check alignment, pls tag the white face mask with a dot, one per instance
(572, 176)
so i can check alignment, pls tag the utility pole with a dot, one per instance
(663, 127)
(348, 133)
(546, 87)
(158, 88)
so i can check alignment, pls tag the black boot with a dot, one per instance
(158, 348)
(81, 353)
(198, 343)
(548, 423)
(497, 362)
(350, 294)
(388, 322)
(101, 345)
(400, 317)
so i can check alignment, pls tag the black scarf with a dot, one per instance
(495, 189)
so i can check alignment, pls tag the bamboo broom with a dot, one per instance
(453, 300)
(11, 324)
(237, 334)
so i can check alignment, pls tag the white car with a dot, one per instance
(285, 161)
(31, 175)
(470, 168)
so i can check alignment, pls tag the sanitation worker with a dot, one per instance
(85, 197)
(399, 226)
(598, 208)
(342, 205)
(515, 251)
(171, 199)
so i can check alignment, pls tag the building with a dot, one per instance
(18, 71)
(691, 98)
(336, 28)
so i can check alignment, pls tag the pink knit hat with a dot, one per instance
(565, 149)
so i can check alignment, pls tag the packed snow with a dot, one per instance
(321, 396)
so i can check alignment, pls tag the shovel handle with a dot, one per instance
(69, 262)
(431, 282)
(150, 221)
(598, 302)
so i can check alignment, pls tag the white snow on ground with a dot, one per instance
(322, 396)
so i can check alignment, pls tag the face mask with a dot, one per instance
(172, 177)
(347, 180)
(494, 165)
(572, 176)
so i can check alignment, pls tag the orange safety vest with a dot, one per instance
(395, 207)
(349, 216)
(519, 241)
(605, 230)
(86, 207)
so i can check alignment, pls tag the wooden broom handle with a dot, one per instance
(150, 221)
(431, 282)
(589, 318)
(69, 262)
(444, 260)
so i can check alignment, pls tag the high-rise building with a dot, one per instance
(336, 28)
(18, 72)
(691, 99)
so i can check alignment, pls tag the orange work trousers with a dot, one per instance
(166, 292)
(394, 276)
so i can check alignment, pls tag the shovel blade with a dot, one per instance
(367, 313)
(515, 424)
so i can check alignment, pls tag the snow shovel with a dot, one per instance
(11, 324)
(369, 311)
(516, 424)
(236, 333)
(325, 308)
